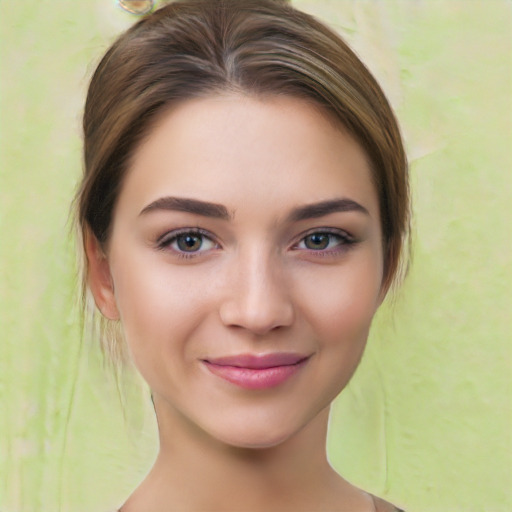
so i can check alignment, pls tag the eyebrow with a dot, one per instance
(218, 211)
(181, 204)
(315, 210)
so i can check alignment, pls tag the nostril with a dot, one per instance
(259, 320)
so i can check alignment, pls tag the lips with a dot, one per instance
(257, 371)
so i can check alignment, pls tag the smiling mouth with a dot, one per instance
(257, 372)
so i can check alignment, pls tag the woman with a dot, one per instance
(243, 210)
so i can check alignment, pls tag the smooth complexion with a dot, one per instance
(245, 265)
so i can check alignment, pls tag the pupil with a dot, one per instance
(189, 243)
(317, 241)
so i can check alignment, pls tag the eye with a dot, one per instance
(318, 241)
(187, 242)
(324, 241)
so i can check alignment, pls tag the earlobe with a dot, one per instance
(99, 277)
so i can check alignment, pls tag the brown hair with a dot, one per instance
(194, 48)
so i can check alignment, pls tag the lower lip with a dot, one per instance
(255, 378)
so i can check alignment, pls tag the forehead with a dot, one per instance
(244, 152)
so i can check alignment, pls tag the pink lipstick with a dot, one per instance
(257, 372)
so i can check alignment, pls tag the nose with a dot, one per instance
(257, 296)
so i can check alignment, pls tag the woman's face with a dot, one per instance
(245, 264)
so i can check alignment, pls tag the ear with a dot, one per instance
(99, 277)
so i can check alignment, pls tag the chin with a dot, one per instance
(264, 433)
(255, 440)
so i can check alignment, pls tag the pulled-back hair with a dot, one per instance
(196, 48)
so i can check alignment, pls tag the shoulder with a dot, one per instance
(384, 506)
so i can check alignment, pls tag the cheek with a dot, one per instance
(159, 308)
(341, 316)
(339, 303)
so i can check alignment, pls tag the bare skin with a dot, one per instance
(285, 478)
(244, 226)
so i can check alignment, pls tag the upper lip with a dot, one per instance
(257, 362)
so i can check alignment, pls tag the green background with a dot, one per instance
(426, 421)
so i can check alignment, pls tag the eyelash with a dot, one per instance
(168, 239)
(345, 241)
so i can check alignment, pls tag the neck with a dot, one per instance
(195, 471)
